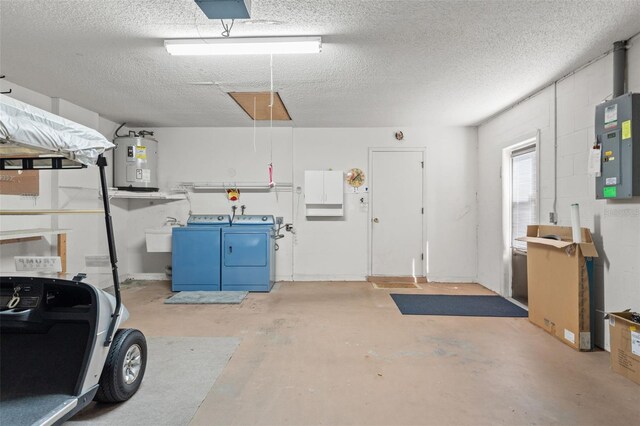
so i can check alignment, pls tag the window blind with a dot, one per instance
(523, 194)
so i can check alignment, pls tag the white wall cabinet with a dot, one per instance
(323, 193)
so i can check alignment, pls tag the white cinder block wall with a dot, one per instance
(335, 250)
(73, 189)
(615, 224)
(319, 249)
(43, 201)
(213, 155)
(339, 250)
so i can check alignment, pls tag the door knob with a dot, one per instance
(376, 220)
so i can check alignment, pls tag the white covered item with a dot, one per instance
(40, 130)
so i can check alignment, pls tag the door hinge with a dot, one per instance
(422, 256)
(422, 210)
(422, 164)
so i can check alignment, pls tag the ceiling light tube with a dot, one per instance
(244, 46)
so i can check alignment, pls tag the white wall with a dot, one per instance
(20, 202)
(74, 189)
(319, 249)
(615, 224)
(213, 155)
(338, 249)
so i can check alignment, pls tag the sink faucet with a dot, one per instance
(172, 221)
(233, 213)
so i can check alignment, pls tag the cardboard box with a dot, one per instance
(624, 338)
(558, 280)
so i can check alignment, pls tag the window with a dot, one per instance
(523, 194)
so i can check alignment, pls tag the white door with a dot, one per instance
(397, 213)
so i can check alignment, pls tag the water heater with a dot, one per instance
(135, 162)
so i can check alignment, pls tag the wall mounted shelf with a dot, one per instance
(132, 195)
(223, 186)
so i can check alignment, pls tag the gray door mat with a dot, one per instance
(180, 373)
(207, 297)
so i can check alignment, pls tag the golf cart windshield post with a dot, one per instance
(102, 164)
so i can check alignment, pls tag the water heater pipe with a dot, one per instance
(619, 67)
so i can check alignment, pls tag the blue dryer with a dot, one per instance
(248, 254)
(196, 253)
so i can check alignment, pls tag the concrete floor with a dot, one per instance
(341, 353)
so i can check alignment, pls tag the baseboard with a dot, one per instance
(380, 279)
(458, 280)
(157, 276)
(320, 277)
(283, 278)
(161, 276)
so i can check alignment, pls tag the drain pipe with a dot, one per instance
(619, 67)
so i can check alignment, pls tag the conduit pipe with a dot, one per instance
(619, 67)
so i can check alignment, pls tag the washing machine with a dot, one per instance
(248, 254)
(196, 257)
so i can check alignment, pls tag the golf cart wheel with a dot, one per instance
(124, 367)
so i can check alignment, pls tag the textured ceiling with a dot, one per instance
(384, 63)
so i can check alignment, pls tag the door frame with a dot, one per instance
(425, 248)
(506, 175)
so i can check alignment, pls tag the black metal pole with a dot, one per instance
(619, 67)
(102, 163)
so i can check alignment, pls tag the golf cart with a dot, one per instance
(60, 342)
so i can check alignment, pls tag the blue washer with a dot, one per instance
(248, 254)
(196, 253)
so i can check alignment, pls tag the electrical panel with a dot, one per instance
(617, 126)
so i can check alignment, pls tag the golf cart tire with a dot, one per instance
(113, 386)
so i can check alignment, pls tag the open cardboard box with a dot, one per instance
(558, 278)
(625, 345)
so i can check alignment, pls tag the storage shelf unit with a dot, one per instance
(24, 235)
(324, 195)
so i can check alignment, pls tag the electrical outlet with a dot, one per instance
(553, 217)
(279, 220)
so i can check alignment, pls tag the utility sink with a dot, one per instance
(159, 239)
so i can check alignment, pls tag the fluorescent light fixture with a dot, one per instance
(244, 46)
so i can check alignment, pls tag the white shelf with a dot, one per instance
(169, 196)
(31, 233)
(223, 186)
(324, 210)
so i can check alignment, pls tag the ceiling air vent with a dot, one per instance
(225, 9)
(256, 105)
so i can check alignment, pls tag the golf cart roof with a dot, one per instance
(34, 139)
(31, 138)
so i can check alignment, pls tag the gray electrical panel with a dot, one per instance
(617, 126)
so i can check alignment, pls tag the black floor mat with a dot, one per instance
(28, 410)
(466, 306)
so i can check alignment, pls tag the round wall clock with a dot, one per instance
(355, 177)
